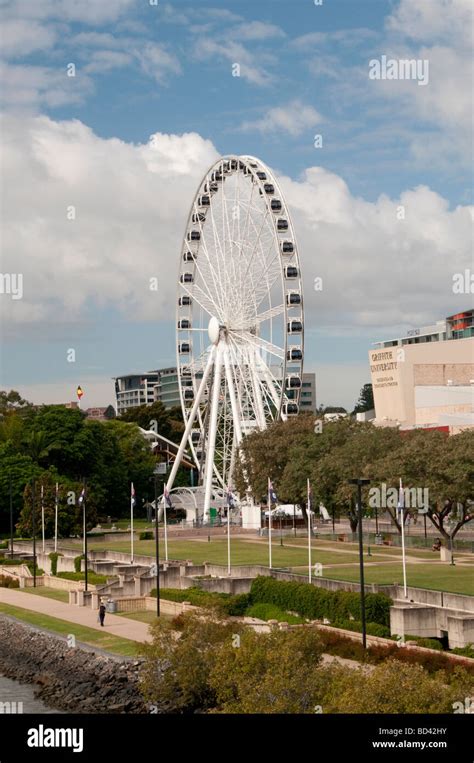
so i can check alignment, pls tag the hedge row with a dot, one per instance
(317, 603)
(373, 629)
(272, 612)
(229, 605)
(7, 582)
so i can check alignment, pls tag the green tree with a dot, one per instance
(70, 510)
(12, 400)
(20, 469)
(366, 400)
(181, 682)
(442, 465)
(395, 687)
(167, 422)
(274, 672)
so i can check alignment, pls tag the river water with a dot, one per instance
(14, 692)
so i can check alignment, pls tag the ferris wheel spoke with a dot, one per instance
(258, 341)
(268, 315)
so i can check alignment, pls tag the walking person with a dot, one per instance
(102, 613)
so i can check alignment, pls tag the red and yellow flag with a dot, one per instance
(79, 392)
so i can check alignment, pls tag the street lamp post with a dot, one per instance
(360, 482)
(157, 550)
(84, 500)
(33, 521)
(11, 517)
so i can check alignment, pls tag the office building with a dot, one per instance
(426, 378)
(132, 390)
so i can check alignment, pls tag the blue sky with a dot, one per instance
(166, 70)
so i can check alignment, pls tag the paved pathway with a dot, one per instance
(118, 626)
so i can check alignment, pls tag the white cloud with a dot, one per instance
(131, 205)
(293, 119)
(234, 52)
(442, 29)
(156, 62)
(104, 60)
(21, 37)
(378, 270)
(256, 30)
(26, 87)
(86, 11)
(348, 37)
(435, 20)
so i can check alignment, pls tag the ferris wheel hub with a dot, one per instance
(214, 330)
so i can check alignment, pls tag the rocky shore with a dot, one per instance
(70, 679)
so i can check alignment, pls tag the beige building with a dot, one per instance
(427, 377)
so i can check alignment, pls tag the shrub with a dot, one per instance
(146, 535)
(272, 612)
(8, 582)
(92, 577)
(465, 651)
(6, 561)
(30, 566)
(231, 606)
(54, 555)
(373, 629)
(3, 544)
(317, 603)
(78, 562)
(428, 643)
(236, 605)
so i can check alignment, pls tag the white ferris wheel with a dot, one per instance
(239, 317)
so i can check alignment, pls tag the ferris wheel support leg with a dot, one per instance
(192, 416)
(257, 397)
(216, 389)
(233, 399)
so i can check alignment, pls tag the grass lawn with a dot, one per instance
(50, 593)
(433, 574)
(123, 646)
(441, 577)
(242, 552)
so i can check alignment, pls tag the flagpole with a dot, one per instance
(269, 527)
(56, 519)
(402, 506)
(308, 504)
(131, 522)
(83, 528)
(228, 536)
(42, 514)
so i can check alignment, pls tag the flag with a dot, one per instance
(230, 500)
(401, 497)
(310, 496)
(167, 498)
(133, 500)
(82, 495)
(271, 492)
(79, 391)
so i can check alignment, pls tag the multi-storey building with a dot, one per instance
(426, 378)
(132, 390)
